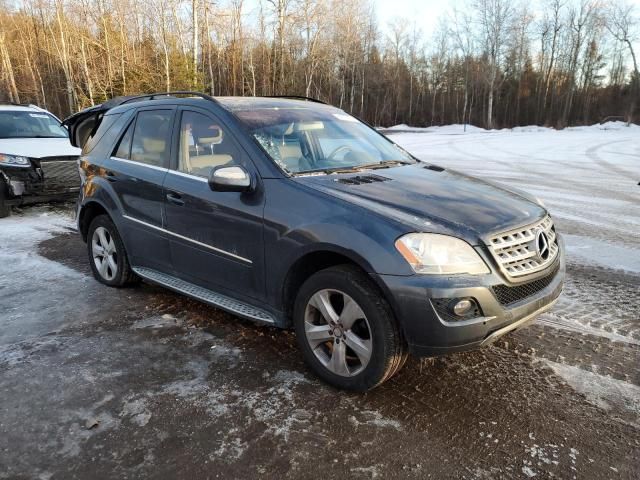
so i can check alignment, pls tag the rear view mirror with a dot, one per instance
(230, 179)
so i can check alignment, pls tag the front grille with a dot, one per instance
(516, 250)
(509, 295)
(60, 173)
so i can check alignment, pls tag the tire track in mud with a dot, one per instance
(599, 302)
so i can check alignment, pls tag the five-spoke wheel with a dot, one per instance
(338, 332)
(346, 330)
(105, 255)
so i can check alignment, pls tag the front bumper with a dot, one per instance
(29, 185)
(429, 332)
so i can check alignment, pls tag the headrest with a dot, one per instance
(153, 145)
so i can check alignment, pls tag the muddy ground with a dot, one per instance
(143, 383)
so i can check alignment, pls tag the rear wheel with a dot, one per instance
(346, 330)
(107, 256)
(5, 210)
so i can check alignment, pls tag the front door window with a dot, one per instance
(204, 144)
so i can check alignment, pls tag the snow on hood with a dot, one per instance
(38, 147)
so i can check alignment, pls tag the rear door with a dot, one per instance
(216, 237)
(136, 170)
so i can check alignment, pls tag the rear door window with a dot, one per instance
(151, 140)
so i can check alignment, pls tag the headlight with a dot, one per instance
(14, 160)
(430, 253)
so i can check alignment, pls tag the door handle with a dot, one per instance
(175, 198)
(111, 176)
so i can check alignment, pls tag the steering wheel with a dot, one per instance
(338, 150)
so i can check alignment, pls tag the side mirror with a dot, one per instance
(230, 179)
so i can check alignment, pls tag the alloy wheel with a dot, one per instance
(338, 332)
(105, 255)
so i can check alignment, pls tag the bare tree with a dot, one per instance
(479, 66)
(495, 17)
(623, 24)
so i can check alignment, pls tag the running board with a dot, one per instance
(212, 298)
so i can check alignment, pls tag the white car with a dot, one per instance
(37, 161)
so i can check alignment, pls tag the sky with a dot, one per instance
(425, 13)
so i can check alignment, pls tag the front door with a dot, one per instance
(216, 238)
(137, 170)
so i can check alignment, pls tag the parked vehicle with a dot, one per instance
(295, 214)
(37, 162)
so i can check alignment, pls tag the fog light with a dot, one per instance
(462, 307)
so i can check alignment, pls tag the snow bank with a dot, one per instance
(459, 128)
(445, 129)
(617, 125)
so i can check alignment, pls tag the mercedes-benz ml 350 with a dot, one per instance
(295, 214)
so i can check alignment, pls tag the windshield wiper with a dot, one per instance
(383, 164)
(356, 168)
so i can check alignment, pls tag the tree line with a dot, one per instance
(491, 63)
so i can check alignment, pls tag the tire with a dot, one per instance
(103, 237)
(5, 210)
(361, 347)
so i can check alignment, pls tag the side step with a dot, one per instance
(216, 299)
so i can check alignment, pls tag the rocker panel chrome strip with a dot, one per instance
(187, 239)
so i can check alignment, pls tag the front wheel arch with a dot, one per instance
(306, 266)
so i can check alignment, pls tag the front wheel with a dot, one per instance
(107, 256)
(346, 330)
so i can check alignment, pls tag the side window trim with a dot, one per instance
(132, 124)
(189, 175)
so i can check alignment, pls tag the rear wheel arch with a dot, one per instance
(88, 212)
(107, 250)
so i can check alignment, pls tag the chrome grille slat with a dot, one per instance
(515, 249)
(60, 173)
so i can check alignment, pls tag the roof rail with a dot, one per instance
(152, 96)
(297, 97)
(19, 104)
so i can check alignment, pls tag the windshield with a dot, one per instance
(301, 140)
(14, 124)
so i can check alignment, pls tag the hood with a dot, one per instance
(431, 199)
(38, 147)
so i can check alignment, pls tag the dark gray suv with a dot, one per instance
(293, 213)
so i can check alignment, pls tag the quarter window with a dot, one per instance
(204, 144)
(105, 125)
(124, 146)
(151, 137)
